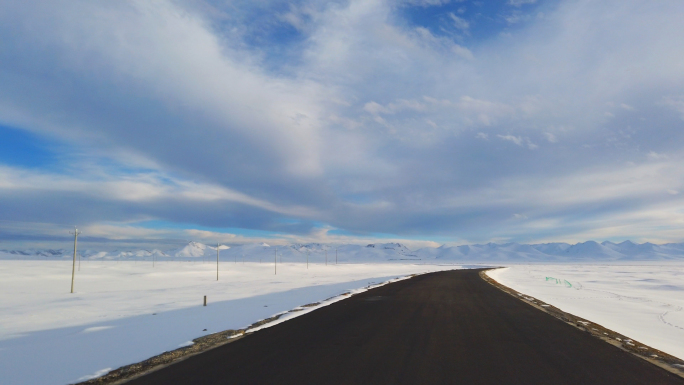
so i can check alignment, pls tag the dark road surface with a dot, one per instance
(440, 328)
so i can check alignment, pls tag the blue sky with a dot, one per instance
(422, 121)
(23, 149)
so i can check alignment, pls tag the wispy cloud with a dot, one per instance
(346, 116)
(515, 139)
(518, 3)
(459, 22)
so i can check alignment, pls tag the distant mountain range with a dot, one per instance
(381, 252)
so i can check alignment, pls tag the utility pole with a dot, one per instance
(275, 262)
(73, 267)
(217, 255)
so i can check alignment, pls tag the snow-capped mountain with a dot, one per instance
(589, 251)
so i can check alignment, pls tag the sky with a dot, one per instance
(422, 121)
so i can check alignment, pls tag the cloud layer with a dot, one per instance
(310, 118)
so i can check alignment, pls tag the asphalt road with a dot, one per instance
(439, 328)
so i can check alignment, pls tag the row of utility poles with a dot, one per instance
(218, 247)
(275, 259)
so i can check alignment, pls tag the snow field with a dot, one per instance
(125, 312)
(644, 302)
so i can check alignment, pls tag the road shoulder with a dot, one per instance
(659, 358)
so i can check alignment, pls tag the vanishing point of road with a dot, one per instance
(448, 327)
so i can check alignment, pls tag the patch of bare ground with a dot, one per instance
(668, 362)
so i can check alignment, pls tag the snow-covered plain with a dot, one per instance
(125, 312)
(642, 301)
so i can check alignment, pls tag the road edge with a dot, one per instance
(203, 344)
(656, 357)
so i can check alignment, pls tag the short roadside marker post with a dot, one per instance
(205, 300)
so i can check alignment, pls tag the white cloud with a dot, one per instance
(515, 139)
(518, 3)
(656, 156)
(394, 107)
(514, 18)
(459, 22)
(299, 17)
(519, 141)
(424, 36)
(137, 188)
(483, 112)
(294, 130)
(675, 103)
(139, 40)
(462, 51)
(375, 108)
(428, 3)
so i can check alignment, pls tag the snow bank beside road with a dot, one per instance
(126, 312)
(644, 302)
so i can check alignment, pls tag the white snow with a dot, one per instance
(589, 251)
(642, 301)
(99, 373)
(125, 312)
